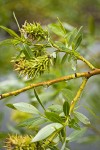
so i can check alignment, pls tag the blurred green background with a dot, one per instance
(77, 13)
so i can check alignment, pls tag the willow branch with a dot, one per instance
(50, 82)
(79, 92)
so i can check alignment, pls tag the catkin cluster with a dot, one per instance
(33, 67)
(33, 32)
(33, 59)
(18, 142)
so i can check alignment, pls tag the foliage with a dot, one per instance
(78, 12)
(32, 57)
(33, 60)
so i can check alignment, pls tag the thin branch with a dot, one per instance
(86, 61)
(79, 92)
(77, 55)
(50, 82)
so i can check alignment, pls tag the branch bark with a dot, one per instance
(76, 98)
(50, 82)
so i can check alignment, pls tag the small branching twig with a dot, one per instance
(86, 61)
(76, 98)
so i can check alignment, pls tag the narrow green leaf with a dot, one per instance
(52, 147)
(82, 118)
(47, 131)
(10, 106)
(64, 59)
(38, 122)
(91, 112)
(77, 39)
(5, 42)
(60, 44)
(75, 135)
(71, 37)
(28, 49)
(90, 139)
(79, 33)
(73, 124)
(66, 108)
(16, 41)
(73, 63)
(38, 99)
(11, 32)
(13, 129)
(55, 108)
(17, 56)
(25, 107)
(26, 52)
(64, 145)
(16, 20)
(27, 122)
(61, 26)
(69, 57)
(67, 94)
(53, 117)
(78, 42)
(32, 122)
(57, 29)
(62, 132)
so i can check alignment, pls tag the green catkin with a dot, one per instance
(32, 67)
(19, 142)
(33, 60)
(33, 32)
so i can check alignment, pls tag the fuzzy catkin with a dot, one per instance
(33, 67)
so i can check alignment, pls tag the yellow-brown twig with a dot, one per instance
(50, 82)
(86, 61)
(76, 98)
